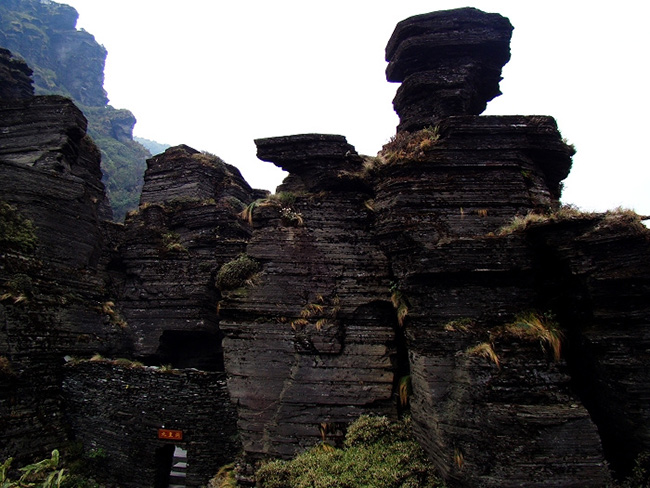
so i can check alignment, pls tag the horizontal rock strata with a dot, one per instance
(186, 228)
(600, 279)
(53, 294)
(449, 63)
(312, 340)
(446, 263)
(314, 161)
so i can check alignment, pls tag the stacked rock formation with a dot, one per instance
(449, 63)
(185, 230)
(525, 340)
(313, 341)
(463, 284)
(51, 283)
(438, 201)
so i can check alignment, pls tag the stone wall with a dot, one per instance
(119, 410)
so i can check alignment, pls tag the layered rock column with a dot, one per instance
(52, 286)
(185, 229)
(312, 340)
(449, 63)
(479, 394)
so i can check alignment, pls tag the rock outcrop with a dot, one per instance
(449, 63)
(445, 266)
(315, 161)
(186, 228)
(313, 340)
(465, 291)
(51, 284)
(69, 278)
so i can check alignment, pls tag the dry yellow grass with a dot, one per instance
(485, 350)
(532, 326)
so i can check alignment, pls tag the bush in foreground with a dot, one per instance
(376, 453)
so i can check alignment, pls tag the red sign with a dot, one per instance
(169, 434)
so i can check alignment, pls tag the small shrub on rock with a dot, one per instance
(236, 273)
(410, 145)
(6, 371)
(16, 232)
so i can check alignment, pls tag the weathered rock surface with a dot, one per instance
(313, 340)
(462, 294)
(441, 192)
(315, 161)
(449, 63)
(61, 291)
(15, 77)
(601, 277)
(186, 229)
(69, 62)
(52, 289)
(362, 273)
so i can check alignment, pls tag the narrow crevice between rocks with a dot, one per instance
(402, 379)
(566, 296)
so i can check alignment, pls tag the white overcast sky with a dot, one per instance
(216, 74)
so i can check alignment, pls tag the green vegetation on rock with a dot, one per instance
(16, 232)
(235, 273)
(376, 453)
(123, 159)
(43, 474)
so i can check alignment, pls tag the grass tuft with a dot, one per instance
(282, 200)
(565, 212)
(400, 303)
(410, 145)
(485, 350)
(463, 324)
(405, 390)
(225, 477)
(543, 328)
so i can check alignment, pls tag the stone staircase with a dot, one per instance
(179, 468)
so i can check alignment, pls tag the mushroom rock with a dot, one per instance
(314, 161)
(449, 63)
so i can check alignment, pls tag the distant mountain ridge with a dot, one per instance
(153, 146)
(70, 62)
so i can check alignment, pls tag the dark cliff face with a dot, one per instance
(185, 229)
(448, 63)
(52, 288)
(15, 77)
(448, 291)
(313, 339)
(445, 262)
